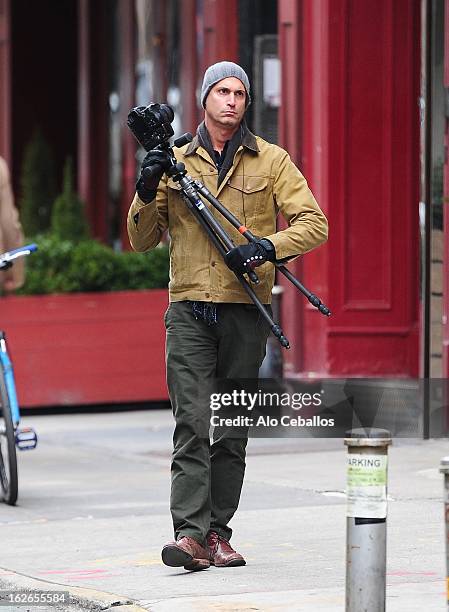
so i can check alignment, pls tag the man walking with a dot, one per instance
(213, 330)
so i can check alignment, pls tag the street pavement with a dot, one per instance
(93, 514)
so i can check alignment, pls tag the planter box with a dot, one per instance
(87, 348)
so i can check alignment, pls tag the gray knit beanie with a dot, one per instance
(223, 70)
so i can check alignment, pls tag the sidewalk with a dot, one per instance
(93, 514)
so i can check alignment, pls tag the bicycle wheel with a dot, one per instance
(8, 458)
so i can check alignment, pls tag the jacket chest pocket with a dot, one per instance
(247, 195)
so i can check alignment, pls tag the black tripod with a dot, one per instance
(191, 190)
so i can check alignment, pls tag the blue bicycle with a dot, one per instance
(11, 437)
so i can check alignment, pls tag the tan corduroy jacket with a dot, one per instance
(11, 235)
(262, 182)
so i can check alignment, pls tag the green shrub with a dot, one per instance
(68, 219)
(38, 185)
(65, 266)
(135, 273)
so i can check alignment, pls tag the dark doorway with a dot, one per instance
(257, 44)
(44, 78)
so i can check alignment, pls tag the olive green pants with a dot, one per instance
(206, 479)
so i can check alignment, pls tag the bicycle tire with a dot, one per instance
(9, 482)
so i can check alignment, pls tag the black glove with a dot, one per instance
(244, 258)
(158, 161)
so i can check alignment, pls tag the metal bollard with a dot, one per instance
(272, 366)
(444, 469)
(366, 522)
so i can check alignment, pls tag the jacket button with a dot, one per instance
(207, 295)
(212, 264)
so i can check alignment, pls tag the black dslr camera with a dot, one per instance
(151, 125)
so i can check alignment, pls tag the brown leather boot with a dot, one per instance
(186, 552)
(221, 553)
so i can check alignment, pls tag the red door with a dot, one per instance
(360, 153)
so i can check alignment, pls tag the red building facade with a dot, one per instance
(350, 80)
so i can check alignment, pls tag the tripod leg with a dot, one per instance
(313, 299)
(275, 328)
(195, 203)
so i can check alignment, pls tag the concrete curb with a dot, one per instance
(89, 599)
